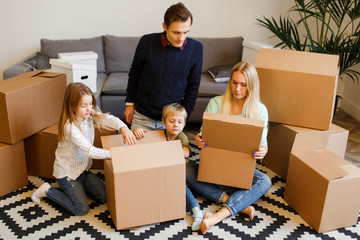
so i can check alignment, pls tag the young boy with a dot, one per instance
(174, 118)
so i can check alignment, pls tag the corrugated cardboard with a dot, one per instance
(29, 103)
(40, 152)
(323, 189)
(145, 183)
(13, 167)
(227, 160)
(99, 163)
(282, 139)
(298, 88)
(338, 140)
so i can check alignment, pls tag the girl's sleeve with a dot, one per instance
(113, 122)
(263, 115)
(78, 138)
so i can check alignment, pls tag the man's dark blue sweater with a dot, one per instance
(162, 75)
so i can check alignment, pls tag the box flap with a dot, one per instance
(323, 161)
(337, 129)
(298, 61)
(145, 156)
(116, 140)
(232, 133)
(53, 129)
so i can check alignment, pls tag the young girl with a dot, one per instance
(174, 119)
(241, 99)
(75, 150)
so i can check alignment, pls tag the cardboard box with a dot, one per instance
(227, 160)
(323, 189)
(117, 141)
(99, 163)
(145, 183)
(76, 72)
(13, 167)
(40, 152)
(29, 103)
(298, 88)
(283, 139)
(338, 140)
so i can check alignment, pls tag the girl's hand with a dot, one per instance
(139, 133)
(128, 136)
(260, 153)
(199, 141)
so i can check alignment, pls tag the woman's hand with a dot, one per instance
(199, 141)
(127, 135)
(260, 153)
(139, 133)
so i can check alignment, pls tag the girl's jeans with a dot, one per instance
(190, 200)
(73, 195)
(239, 198)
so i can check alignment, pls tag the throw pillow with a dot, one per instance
(39, 61)
(220, 73)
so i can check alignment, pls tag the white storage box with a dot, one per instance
(251, 49)
(76, 72)
(88, 57)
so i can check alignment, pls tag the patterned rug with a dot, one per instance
(20, 218)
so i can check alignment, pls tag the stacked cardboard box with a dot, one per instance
(298, 88)
(28, 103)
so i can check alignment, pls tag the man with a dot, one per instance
(166, 69)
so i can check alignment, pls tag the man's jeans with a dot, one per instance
(73, 195)
(239, 198)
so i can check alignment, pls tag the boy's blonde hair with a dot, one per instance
(73, 95)
(172, 109)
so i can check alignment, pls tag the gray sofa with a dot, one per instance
(115, 55)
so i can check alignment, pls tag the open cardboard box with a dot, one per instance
(145, 183)
(30, 103)
(282, 139)
(99, 163)
(13, 173)
(323, 188)
(227, 160)
(298, 88)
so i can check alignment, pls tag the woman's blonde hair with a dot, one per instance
(252, 100)
(73, 95)
(172, 109)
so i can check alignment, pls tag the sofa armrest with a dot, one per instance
(17, 69)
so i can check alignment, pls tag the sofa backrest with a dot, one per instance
(221, 51)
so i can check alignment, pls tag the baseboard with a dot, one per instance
(350, 108)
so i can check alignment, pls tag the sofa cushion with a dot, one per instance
(119, 52)
(220, 73)
(209, 88)
(221, 51)
(39, 61)
(53, 47)
(116, 84)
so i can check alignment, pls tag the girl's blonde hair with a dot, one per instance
(172, 109)
(252, 100)
(72, 99)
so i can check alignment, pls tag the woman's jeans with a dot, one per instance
(239, 198)
(73, 195)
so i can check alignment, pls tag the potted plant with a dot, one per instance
(330, 26)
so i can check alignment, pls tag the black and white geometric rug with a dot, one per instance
(20, 218)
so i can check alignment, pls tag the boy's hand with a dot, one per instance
(199, 141)
(260, 153)
(139, 133)
(128, 136)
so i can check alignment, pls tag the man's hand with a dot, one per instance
(129, 113)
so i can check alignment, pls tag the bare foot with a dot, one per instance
(250, 211)
(210, 219)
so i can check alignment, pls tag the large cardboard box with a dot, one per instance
(29, 103)
(298, 88)
(338, 140)
(40, 152)
(282, 139)
(227, 160)
(145, 183)
(13, 167)
(99, 163)
(323, 189)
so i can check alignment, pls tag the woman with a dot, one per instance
(241, 99)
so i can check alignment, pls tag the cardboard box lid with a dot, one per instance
(116, 140)
(87, 55)
(298, 61)
(53, 129)
(145, 156)
(232, 133)
(17, 83)
(323, 161)
(71, 64)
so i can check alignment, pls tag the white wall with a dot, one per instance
(24, 23)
